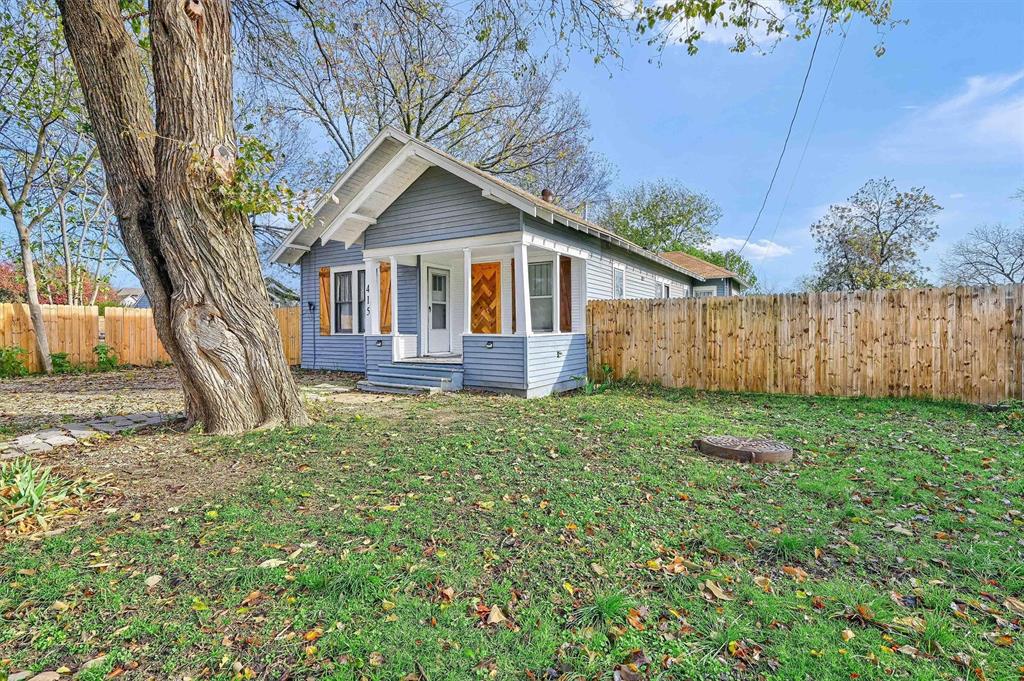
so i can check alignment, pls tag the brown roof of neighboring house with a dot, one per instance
(701, 267)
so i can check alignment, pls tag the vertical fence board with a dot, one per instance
(962, 343)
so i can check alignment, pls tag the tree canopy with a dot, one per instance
(662, 215)
(874, 239)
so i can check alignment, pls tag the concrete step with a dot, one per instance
(396, 388)
(442, 382)
(414, 367)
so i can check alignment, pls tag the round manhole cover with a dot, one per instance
(744, 449)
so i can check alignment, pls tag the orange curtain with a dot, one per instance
(325, 301)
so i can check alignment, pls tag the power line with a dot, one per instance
(789, 132)
(807, 142)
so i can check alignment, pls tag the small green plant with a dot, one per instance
(61, 363)
(106, 359)
(12, 361)
(26, 491)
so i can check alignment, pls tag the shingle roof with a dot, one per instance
(702, 267)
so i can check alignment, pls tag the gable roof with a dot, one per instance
(394, 160)
(702, 267)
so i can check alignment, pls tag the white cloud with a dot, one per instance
(983, 120)
(755, 250)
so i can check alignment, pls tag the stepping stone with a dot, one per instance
(105, 427)
(36, 447)
(81, 431)
(60, 441)
(44, 434)
(11, 453)
(138, 418)
(25, 439)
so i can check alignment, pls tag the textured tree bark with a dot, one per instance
(196, 258)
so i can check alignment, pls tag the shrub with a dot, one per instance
(106, 359)
(61, 363)
(12, 361)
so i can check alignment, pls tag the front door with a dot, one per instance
(439, 338)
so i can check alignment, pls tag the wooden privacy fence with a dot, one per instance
(69, 328)
(963, 344)
(129, 332)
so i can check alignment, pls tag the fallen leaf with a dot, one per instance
(313, 634)
(912, 622)
(569, 588)
(485, 505)
(376, 659)
(98, 660)
(153, 580)
(1014, 604)
(848, 635)
(60, 606)
(272, 563)
(962, 659)
(635, 619)
(716, 590)
(910, 651)
(764, 582)
(598, 570)
(797, 573)
(496, 616)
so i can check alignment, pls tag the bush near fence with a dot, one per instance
(961, 344)
(130, 333)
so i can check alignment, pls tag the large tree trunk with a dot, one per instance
(196, 258)
(35, 310)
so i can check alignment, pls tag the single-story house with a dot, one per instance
(718, 281)
(422, 271)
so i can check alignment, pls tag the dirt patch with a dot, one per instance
(39, 402)
(150, 471)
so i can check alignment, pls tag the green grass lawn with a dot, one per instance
(473, 537)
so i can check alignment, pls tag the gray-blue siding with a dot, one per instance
(556, 360)
(500, 367)
(342, 353)
(408, 299)
(439, 206)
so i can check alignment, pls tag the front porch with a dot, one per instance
(447, 315)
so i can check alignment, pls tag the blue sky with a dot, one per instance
(943, 109)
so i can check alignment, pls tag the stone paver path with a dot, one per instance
(71, 433)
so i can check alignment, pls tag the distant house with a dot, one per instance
(129, 297)
(422, 271)
(718, 281)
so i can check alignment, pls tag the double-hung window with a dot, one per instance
(542, 296)
(349, 294)
(618, 282)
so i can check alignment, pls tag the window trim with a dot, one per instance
(554, 284)
(615, 269)
(357, 307)
(666, 290)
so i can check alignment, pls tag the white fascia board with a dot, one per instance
(330, 195)
(373, 185)
(556, 246)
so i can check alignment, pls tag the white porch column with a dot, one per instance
(394, 295)
(467, 290)
(373, 296)
(556, 294)
(524, 323)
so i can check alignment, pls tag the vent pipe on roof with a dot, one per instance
(547, 195)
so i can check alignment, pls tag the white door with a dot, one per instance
(439, 338)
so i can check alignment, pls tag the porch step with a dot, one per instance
(395, 388)
(443, 377)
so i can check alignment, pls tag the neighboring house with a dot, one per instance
(130, 297)
(718, 281)
(424, 272)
